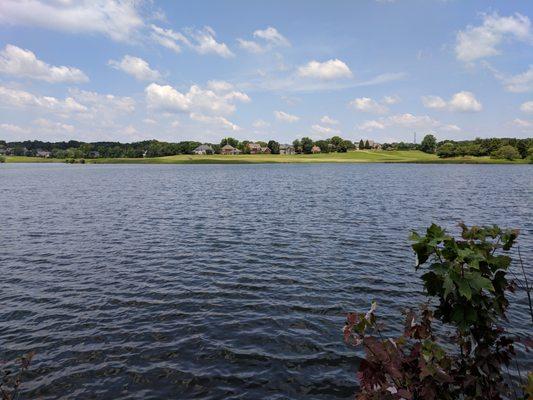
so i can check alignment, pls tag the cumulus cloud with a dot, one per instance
(519, 83)
(52, 126)
(24, 63)
(285, 117)
(11, 128)
(406, 121)
(329, 121)
(324, 130)
(527, 107)
(22, 99)
(119, 20)
(216, 121)
(391, 99)
(203, 41)
(523, 124)
(260, 124)
(269, 37)
(477, 42)
(327, 70)
(136, 67)
(367, 105)
(197, 100)
(462, 102)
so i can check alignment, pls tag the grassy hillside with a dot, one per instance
(364, 156)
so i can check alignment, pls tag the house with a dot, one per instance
(374, 145)
(203, 149)
(315, 149)
(286, 149)
(266, 150)
(255, 148)
(43, 153)
(229, 150)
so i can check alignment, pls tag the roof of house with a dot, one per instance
(204, 147)
(228, 147)
(254, 145)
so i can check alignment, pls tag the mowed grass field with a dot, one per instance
(361, 156)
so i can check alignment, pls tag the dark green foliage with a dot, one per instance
(229, 140)
(506, 152)
(2, 159)
(273, 146)
(297, 146)
(482, 147)
(429, 144)
(324, 145)
(307, 145)
(467, 279)
(367, 145)
(361, 144)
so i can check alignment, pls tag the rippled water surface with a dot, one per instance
(215, 282)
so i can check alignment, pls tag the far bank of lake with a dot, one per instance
(359, 156)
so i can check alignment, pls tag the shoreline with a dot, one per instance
(353, 157)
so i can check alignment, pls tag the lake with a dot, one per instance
(223, 281)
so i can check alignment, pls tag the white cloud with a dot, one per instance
(285, 117)
(523, 124)
(368, 105)
(371, 125)
(325, 130)
(22, 99)
(11, 128)
(260, 124)
(203, 41)
(119, 20)
(527, 107)
(272, 36)
(136, 67)
(101, 104)
(477, 42)
(197, 100)
(462, 102)
(51, 126)
(216, 121)
(251, 46)
(150, 121)
(434, 102)
(23, 63)
(406, 121)
(520, 83)
(391, 99)
(329, 121)
(327, 70)
(219, 86)
(465, 102)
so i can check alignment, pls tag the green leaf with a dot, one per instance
(478, 282)
(448, 286)
(464, 289)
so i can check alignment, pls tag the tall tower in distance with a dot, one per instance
(414, 138)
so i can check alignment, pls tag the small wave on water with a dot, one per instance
(216, 282)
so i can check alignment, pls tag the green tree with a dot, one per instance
(273, 146)
(2, 159)
(367, 145)
(336, 142)
(324, 145)
(506, 152)
(229, 140)
(446, 150)
(428, 144)
(307, 145)
(361, 144)
(297, 146)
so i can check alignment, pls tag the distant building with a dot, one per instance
(286, 149)
(315, 149)
(203, 149)
(94, 154)
(266, 150)
(255, 148)
(43, 153)
(229, 150)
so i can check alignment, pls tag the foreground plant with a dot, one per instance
(467, 277)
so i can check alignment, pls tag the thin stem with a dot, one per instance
(528, 289)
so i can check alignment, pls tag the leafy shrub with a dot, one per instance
(2, 159)
(506, 152)
(467, 277)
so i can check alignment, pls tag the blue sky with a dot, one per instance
(202, 70)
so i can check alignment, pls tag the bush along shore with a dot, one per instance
(334, 149)
(466, 281)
